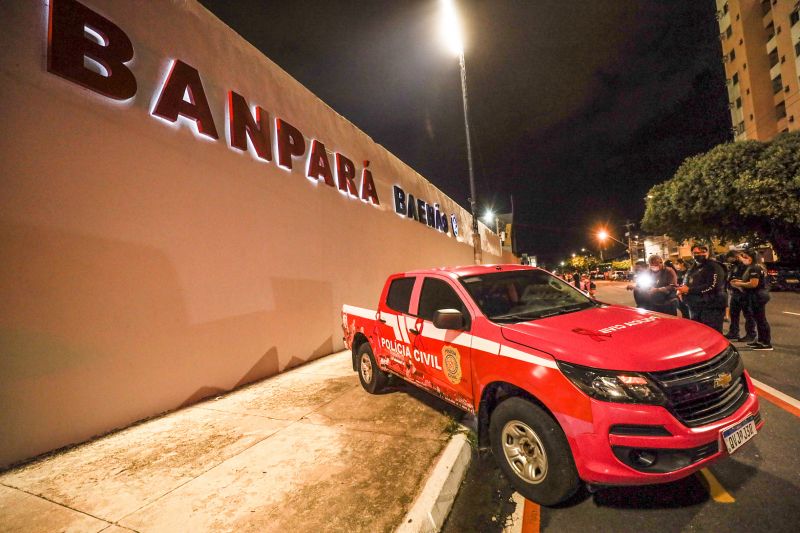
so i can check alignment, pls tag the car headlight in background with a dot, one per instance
(613, 386)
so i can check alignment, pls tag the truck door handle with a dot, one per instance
(414, 331)
(382, 321)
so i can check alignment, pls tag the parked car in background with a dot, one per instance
(783, 276)
(619, 275)
(598, 275)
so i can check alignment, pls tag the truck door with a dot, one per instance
(394, 342)
(444, 356)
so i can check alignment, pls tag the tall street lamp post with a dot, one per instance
(451, 31)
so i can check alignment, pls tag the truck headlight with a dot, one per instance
(613, 386)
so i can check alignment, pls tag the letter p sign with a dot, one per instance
(68, 43)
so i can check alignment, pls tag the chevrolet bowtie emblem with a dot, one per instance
(722, 381)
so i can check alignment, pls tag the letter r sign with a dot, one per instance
(68, 44)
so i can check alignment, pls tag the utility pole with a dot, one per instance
(628, 226)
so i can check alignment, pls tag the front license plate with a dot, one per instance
(792, 280)
(735, 436)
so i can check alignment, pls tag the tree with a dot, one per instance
(583, 263)
(773, 193)
(625, 264)
(736, 191)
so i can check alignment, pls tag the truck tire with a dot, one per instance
(532, 451)
(372, 378)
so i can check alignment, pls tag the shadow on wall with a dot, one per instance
(94, 335)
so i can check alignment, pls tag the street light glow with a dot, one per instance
(451, 29)
(602, 235)
(488, 217)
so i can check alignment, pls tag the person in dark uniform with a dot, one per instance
(704, 289)
(661, 296)
(754, 284)
(738, 303)
(576, 280)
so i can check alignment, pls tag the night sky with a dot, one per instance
(577, 107)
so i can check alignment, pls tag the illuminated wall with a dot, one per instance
(146, 266)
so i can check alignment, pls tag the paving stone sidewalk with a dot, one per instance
(306, 450)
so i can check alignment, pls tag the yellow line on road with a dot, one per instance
(715, 488)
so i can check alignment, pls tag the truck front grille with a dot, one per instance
(706, 392)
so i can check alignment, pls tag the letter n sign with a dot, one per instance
(68, 44)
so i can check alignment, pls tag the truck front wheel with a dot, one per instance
(372, 378)
(533, 452)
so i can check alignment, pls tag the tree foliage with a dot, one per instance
(625, 264)
(583, 263)
(736, 191)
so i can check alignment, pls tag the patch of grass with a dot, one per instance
(454, 427)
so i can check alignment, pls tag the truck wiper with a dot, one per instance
(515, 316)
(539, 314)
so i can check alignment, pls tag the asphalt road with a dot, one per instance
(758, 485)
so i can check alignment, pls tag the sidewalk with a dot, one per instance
(306, 450)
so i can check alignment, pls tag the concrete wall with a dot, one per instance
(145, 267)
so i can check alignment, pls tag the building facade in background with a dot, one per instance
(761, 53)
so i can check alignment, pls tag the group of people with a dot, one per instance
(707, 288)
(580, 281)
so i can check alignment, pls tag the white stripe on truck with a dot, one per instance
(399, 323)
(359, 311)
(513, 353)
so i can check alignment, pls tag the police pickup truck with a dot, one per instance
(565, 388)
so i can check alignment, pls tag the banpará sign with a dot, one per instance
(77, 34)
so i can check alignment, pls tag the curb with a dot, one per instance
(433, 504)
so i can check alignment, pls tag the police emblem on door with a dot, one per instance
(452, 364)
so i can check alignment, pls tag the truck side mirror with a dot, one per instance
(448, 319)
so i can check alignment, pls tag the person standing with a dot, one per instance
(662, 296)
(576, 280)
(704, 289)
(754, 284)
(738, 303)
(680, 271)
(640, 293)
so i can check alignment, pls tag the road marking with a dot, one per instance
(790, 313)
(784, 401)
(525, 518)
(715, 488)
(530, 517)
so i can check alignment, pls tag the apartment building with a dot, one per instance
(761, 53)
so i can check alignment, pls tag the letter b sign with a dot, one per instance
(67, 44)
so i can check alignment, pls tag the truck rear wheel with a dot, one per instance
(372, 378)
(532, 451)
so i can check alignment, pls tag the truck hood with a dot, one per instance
(619, 338)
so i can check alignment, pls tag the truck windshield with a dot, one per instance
(523, 295)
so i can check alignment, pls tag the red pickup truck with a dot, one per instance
(565, 388)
